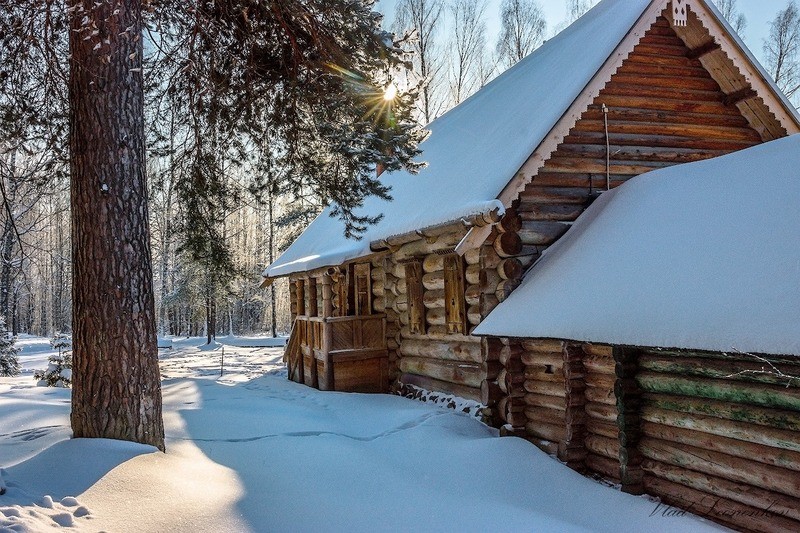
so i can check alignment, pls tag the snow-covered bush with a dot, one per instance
(58, 373)
(61, 342)
(9, 364)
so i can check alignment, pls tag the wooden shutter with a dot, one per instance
(414, 291)
(455, 304)
(363, 289)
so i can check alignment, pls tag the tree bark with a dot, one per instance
(116, 383)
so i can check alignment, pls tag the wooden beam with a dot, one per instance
(740, 96)
(704, 50)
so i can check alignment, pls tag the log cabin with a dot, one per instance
(657, 343)
(633, 86)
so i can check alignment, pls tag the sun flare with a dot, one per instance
(390, 93)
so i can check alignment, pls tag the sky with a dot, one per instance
(759, 13)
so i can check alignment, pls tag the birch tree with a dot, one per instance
(419, 21)
(467, 48)
(782, 50)
(731, 13)
(522, 30)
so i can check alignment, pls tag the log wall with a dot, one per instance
(433, 359)
(718, 434)
(722, 434)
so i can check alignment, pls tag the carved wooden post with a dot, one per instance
(301, 297)
(629, 401)
(327, 296)
(573, 450)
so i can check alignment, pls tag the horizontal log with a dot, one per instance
(488, 302)
(400, 306)
(542, 232)
(463, 351)
(549, 432)
(489, 258)
(507, 244)
(777, 438)
(435, 385)
(599, 365)
(545, 415)
(548, 447)
(474, 315)
(472, 274)
(379, 304)
(719, 389)
(753, 496)
(654, 139)
(548, 402)
(564, 213)
(472, 256)
(505, 288)
(600, 381)
(608, 468)
(377, 273)
(433, 263)
(433, 281)
(544, 387)
(422, 247)
(792, 363)
(491, 369)
(780, 419)
(490, 393)
(603, 446)
(378, 287)
(510, 356)
(473, 295)
(433, 299)
(749, 371)
(599, 427)
(511, 222)
(534, 195)
(510, 268)
(543, 345)
(722, 465)
(738, 448)
(436, 317)
(589, 166)
(551, 375)
(455, 372)
(491, 348)
(543, 361)
(601, 411)
(603, 396)
(599, 350)
(439, 334)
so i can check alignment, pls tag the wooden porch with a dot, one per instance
(342, 353)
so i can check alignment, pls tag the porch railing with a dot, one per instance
(339, 353)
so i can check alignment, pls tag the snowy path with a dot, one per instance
(253, 452)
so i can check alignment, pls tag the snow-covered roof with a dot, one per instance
(698, 256)
(474, 150)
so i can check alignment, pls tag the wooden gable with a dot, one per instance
(662, 107)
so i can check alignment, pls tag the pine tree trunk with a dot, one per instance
(116, 383)
(273, 319)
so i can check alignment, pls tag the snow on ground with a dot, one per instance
(250, 451)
